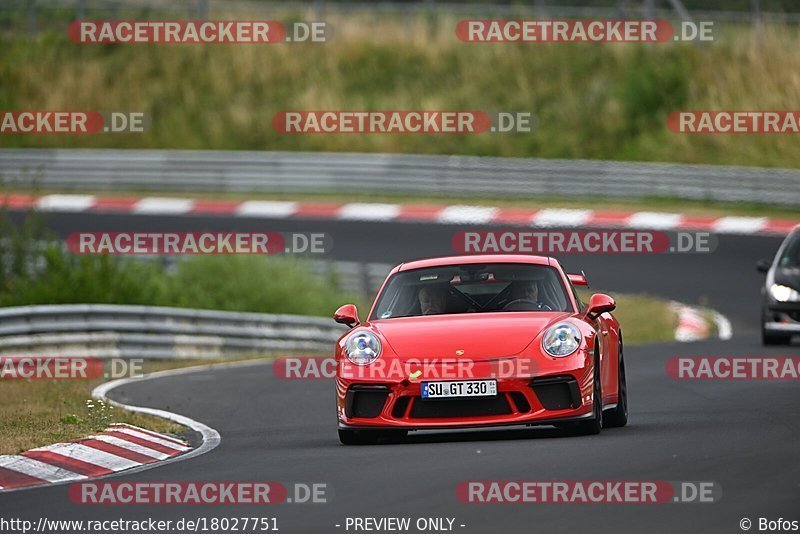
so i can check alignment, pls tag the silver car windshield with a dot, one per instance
(791, 253)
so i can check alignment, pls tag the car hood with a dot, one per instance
(788, 276)
(481, 336)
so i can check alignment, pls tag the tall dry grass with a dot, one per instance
(592, 101)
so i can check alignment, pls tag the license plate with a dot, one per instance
(466, 388)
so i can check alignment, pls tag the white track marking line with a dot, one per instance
(724, 328)
(176, 441)
(692, 326)
(266, 208)
(37, 469)
(369, 212)
(739, 225)
(148, 437)
(466, 215)
(561, 217)
(654, 220)
(119, 442)
(65, 202)
(90, 455)
(167, 206)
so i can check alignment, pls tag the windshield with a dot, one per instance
(454, 289)
(791, 254)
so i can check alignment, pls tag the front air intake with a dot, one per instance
(365, 401)
(557, 392)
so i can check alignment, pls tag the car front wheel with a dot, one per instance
(595, 424)
(618, 416)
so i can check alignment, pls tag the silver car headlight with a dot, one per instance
(561, 340)
(362, 348)
(783, 293)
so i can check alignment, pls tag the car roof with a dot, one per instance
(475, 258)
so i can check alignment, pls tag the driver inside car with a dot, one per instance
(432, 300)
(526, 292)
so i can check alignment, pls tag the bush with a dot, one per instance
(35, 269)
(251, 283)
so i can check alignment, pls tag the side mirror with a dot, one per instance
(347, 314)
(763, 265)
(600, 303)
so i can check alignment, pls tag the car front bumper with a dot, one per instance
(782, 318)
(565, 394)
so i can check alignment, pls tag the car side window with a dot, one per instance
(581, 305)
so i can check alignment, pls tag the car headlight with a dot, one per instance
(362, 348)
(561, 340)
(784, 293)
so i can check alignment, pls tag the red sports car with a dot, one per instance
(478, 341)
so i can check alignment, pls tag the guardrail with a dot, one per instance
(106, 331)
(451, 176)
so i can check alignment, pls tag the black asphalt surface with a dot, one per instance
(743, 435)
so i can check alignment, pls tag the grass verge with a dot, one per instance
(643, 318)
(34, 413)
(591, 100)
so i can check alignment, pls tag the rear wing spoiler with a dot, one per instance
(578, 279)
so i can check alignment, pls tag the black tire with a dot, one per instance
(618, 417)
(595, 424)
(772, 339)
(349, 436)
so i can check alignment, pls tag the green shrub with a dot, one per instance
(35, 269)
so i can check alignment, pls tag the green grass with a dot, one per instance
(233, 283)
(34, 413)
(644, 319)
(606, 101)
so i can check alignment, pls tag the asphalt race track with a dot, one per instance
(739, 434)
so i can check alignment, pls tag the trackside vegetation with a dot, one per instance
(596, 101)
(36, 269)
